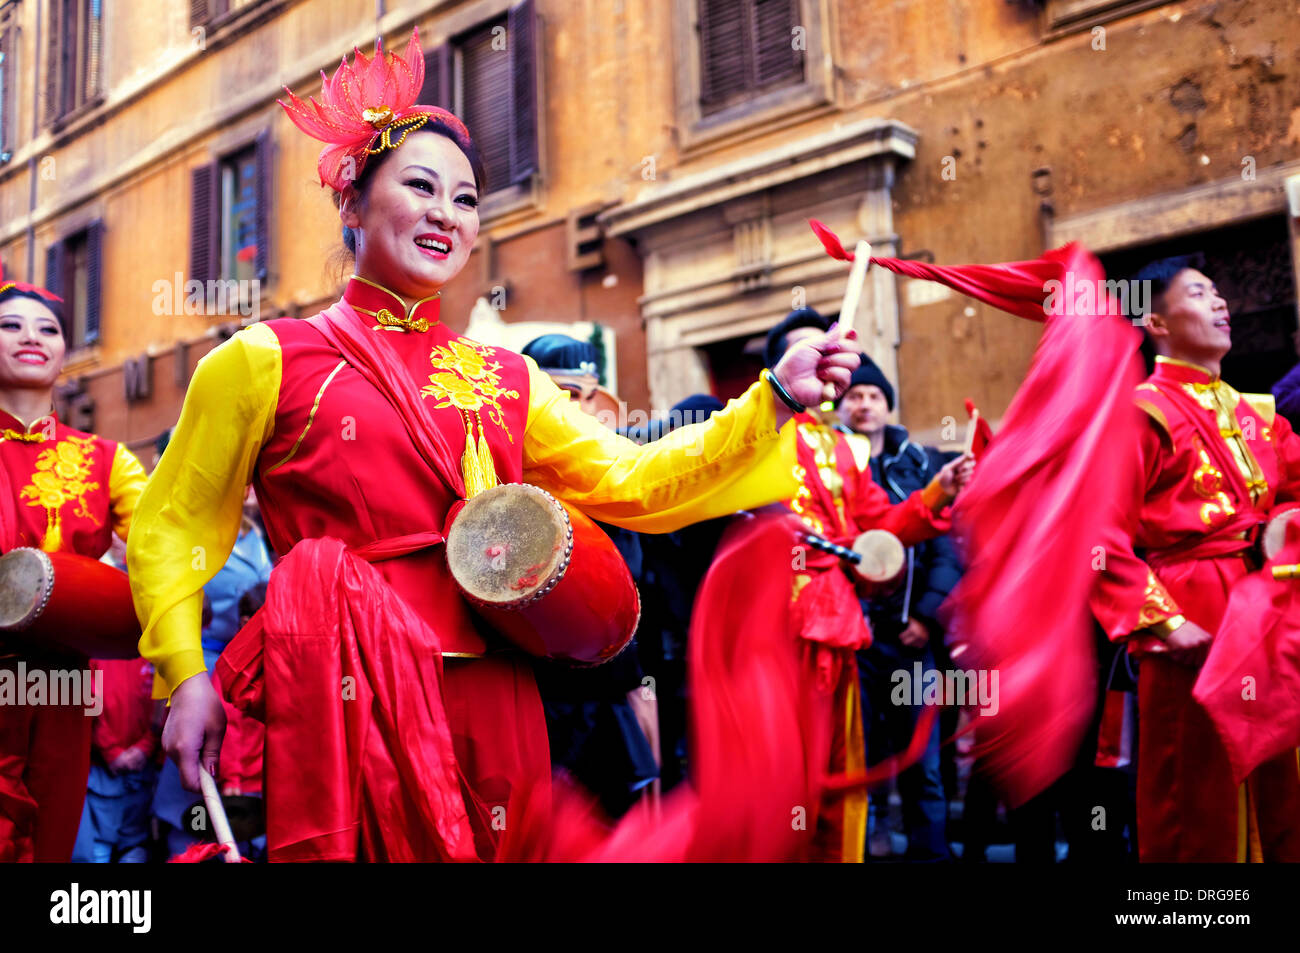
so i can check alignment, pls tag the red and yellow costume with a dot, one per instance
(838, 499)
(359, 464)
(1214, 463)
(61, 490)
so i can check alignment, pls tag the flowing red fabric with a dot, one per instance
(329, 664)
(983, 432)
(750, 722)
(1250, 683)
(1044, 495)
(384, 370)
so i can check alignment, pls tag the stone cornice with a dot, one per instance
(798, 159)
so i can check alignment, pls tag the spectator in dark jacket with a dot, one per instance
(905, 625)
(1287, 393)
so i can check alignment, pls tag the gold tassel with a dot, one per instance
(476, 463)
(53, 540)
(485, 461)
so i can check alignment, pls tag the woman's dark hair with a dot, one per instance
(436, 126)
(54, 307)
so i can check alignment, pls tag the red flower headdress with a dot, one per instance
(365, 108)
(24, 286)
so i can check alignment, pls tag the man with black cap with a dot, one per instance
(838, 501)
(905, 625)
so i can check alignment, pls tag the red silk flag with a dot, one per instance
(983, 432)
(1250, 683)
(1032, 521)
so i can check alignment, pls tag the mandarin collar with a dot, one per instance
(388, 309)
(9, 422)
(1185, 372)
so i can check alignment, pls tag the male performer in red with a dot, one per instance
(838, 500)
(61, 490)
(1214, 463)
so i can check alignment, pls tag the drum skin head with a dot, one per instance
(509, 545)
(882, 554)
(24, 584)
(1275, 532)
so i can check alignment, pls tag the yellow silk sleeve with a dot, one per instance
(188, 517)
(735, 460)
(126, 481)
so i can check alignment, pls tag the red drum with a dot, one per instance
(880, 571)
(543, 574)
(67, 603)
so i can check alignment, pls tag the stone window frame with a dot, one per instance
(817, 89)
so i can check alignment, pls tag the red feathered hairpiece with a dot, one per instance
(24, 286)
(365, 108)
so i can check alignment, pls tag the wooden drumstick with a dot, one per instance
(852, 294)
(217, 813)
(972, 427)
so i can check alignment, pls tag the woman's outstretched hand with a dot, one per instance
(196, 723)
(810, 365)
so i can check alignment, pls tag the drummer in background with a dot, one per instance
(61, 490)
(602, 727)
(362, 429)
(838, 500)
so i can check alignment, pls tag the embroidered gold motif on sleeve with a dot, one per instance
(464, 377)
(62, 476)
(1156, 604)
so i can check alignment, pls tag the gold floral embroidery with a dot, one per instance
(1222, 400)
(1207, 481)
(62, 476)
(465, 377)
(802, 498)
(1156, 604)
(822, 441)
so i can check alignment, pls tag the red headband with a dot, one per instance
(365, 108)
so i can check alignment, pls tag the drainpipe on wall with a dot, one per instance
(31, 160)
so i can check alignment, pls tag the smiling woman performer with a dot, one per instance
(61, 490)
(394, 729)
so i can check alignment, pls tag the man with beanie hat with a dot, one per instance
(905, 625)
(839, 501)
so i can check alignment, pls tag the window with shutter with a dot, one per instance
(73, 64)
(94, 284)
(436, 90)
(485, 85)
(746, 62)
(238, 224)
(203, 223)
(522, 33)
(53, 60)
(73, 269)
(54, 268)
(492, 71)
(746, 48)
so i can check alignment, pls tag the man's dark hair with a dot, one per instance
(775, 347)
(1161, 273)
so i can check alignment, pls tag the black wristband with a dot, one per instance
(782, 393)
